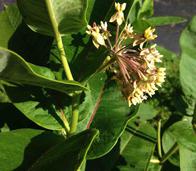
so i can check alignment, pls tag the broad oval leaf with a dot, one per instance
(111, 118)
(188, 63)
(137, 147)
(14, 68)
(132, 152)
(34, 150)
(37, 105)
(69, 15)
(92, 96)
(146, 111)
(182, 133)
(21, 148)
(68, 155)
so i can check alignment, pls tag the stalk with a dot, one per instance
(75, 111)
(159, 138)
(75, 115)
(59, 40)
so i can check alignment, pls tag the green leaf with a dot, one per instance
(182, 133)
(111, 119)
(92, 96)
(21, 148)
(133, 11)
(137, 147)
(165, 20)
(167, 142)
(34, 150)
(187, 159)
(3, 96)
(132, 152)
(68, 155)
(10, 18)
(106, 162)
(13, 68)
(188, 63)
(146, 10)
(70, 15)
(154, 166)
(25, 42)
(138, 11)
(37, 105)
(146, 111)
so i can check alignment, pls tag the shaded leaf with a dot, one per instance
(68, 155)
(132, 152)
(10, 18)
(28, 149)
(3, 96)
(33, 47)
(70, 15)
(182, 133)
(133, 11)
(20, 148)
(37, 105)
(137, 147)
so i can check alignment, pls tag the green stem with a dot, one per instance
(75, 114)
(65, 122)
(59, 40)
(172, 150)
(159, 138)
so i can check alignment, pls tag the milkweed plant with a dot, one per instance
(84, 86)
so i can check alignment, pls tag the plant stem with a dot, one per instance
(59, 40)
(64, 119)
(75, 114)
(159, 138)
(172, 150)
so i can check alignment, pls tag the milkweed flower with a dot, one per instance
(133, 65)
(148, 34)
(98, 38)
(119, 15)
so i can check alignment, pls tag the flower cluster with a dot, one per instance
(134, 65)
